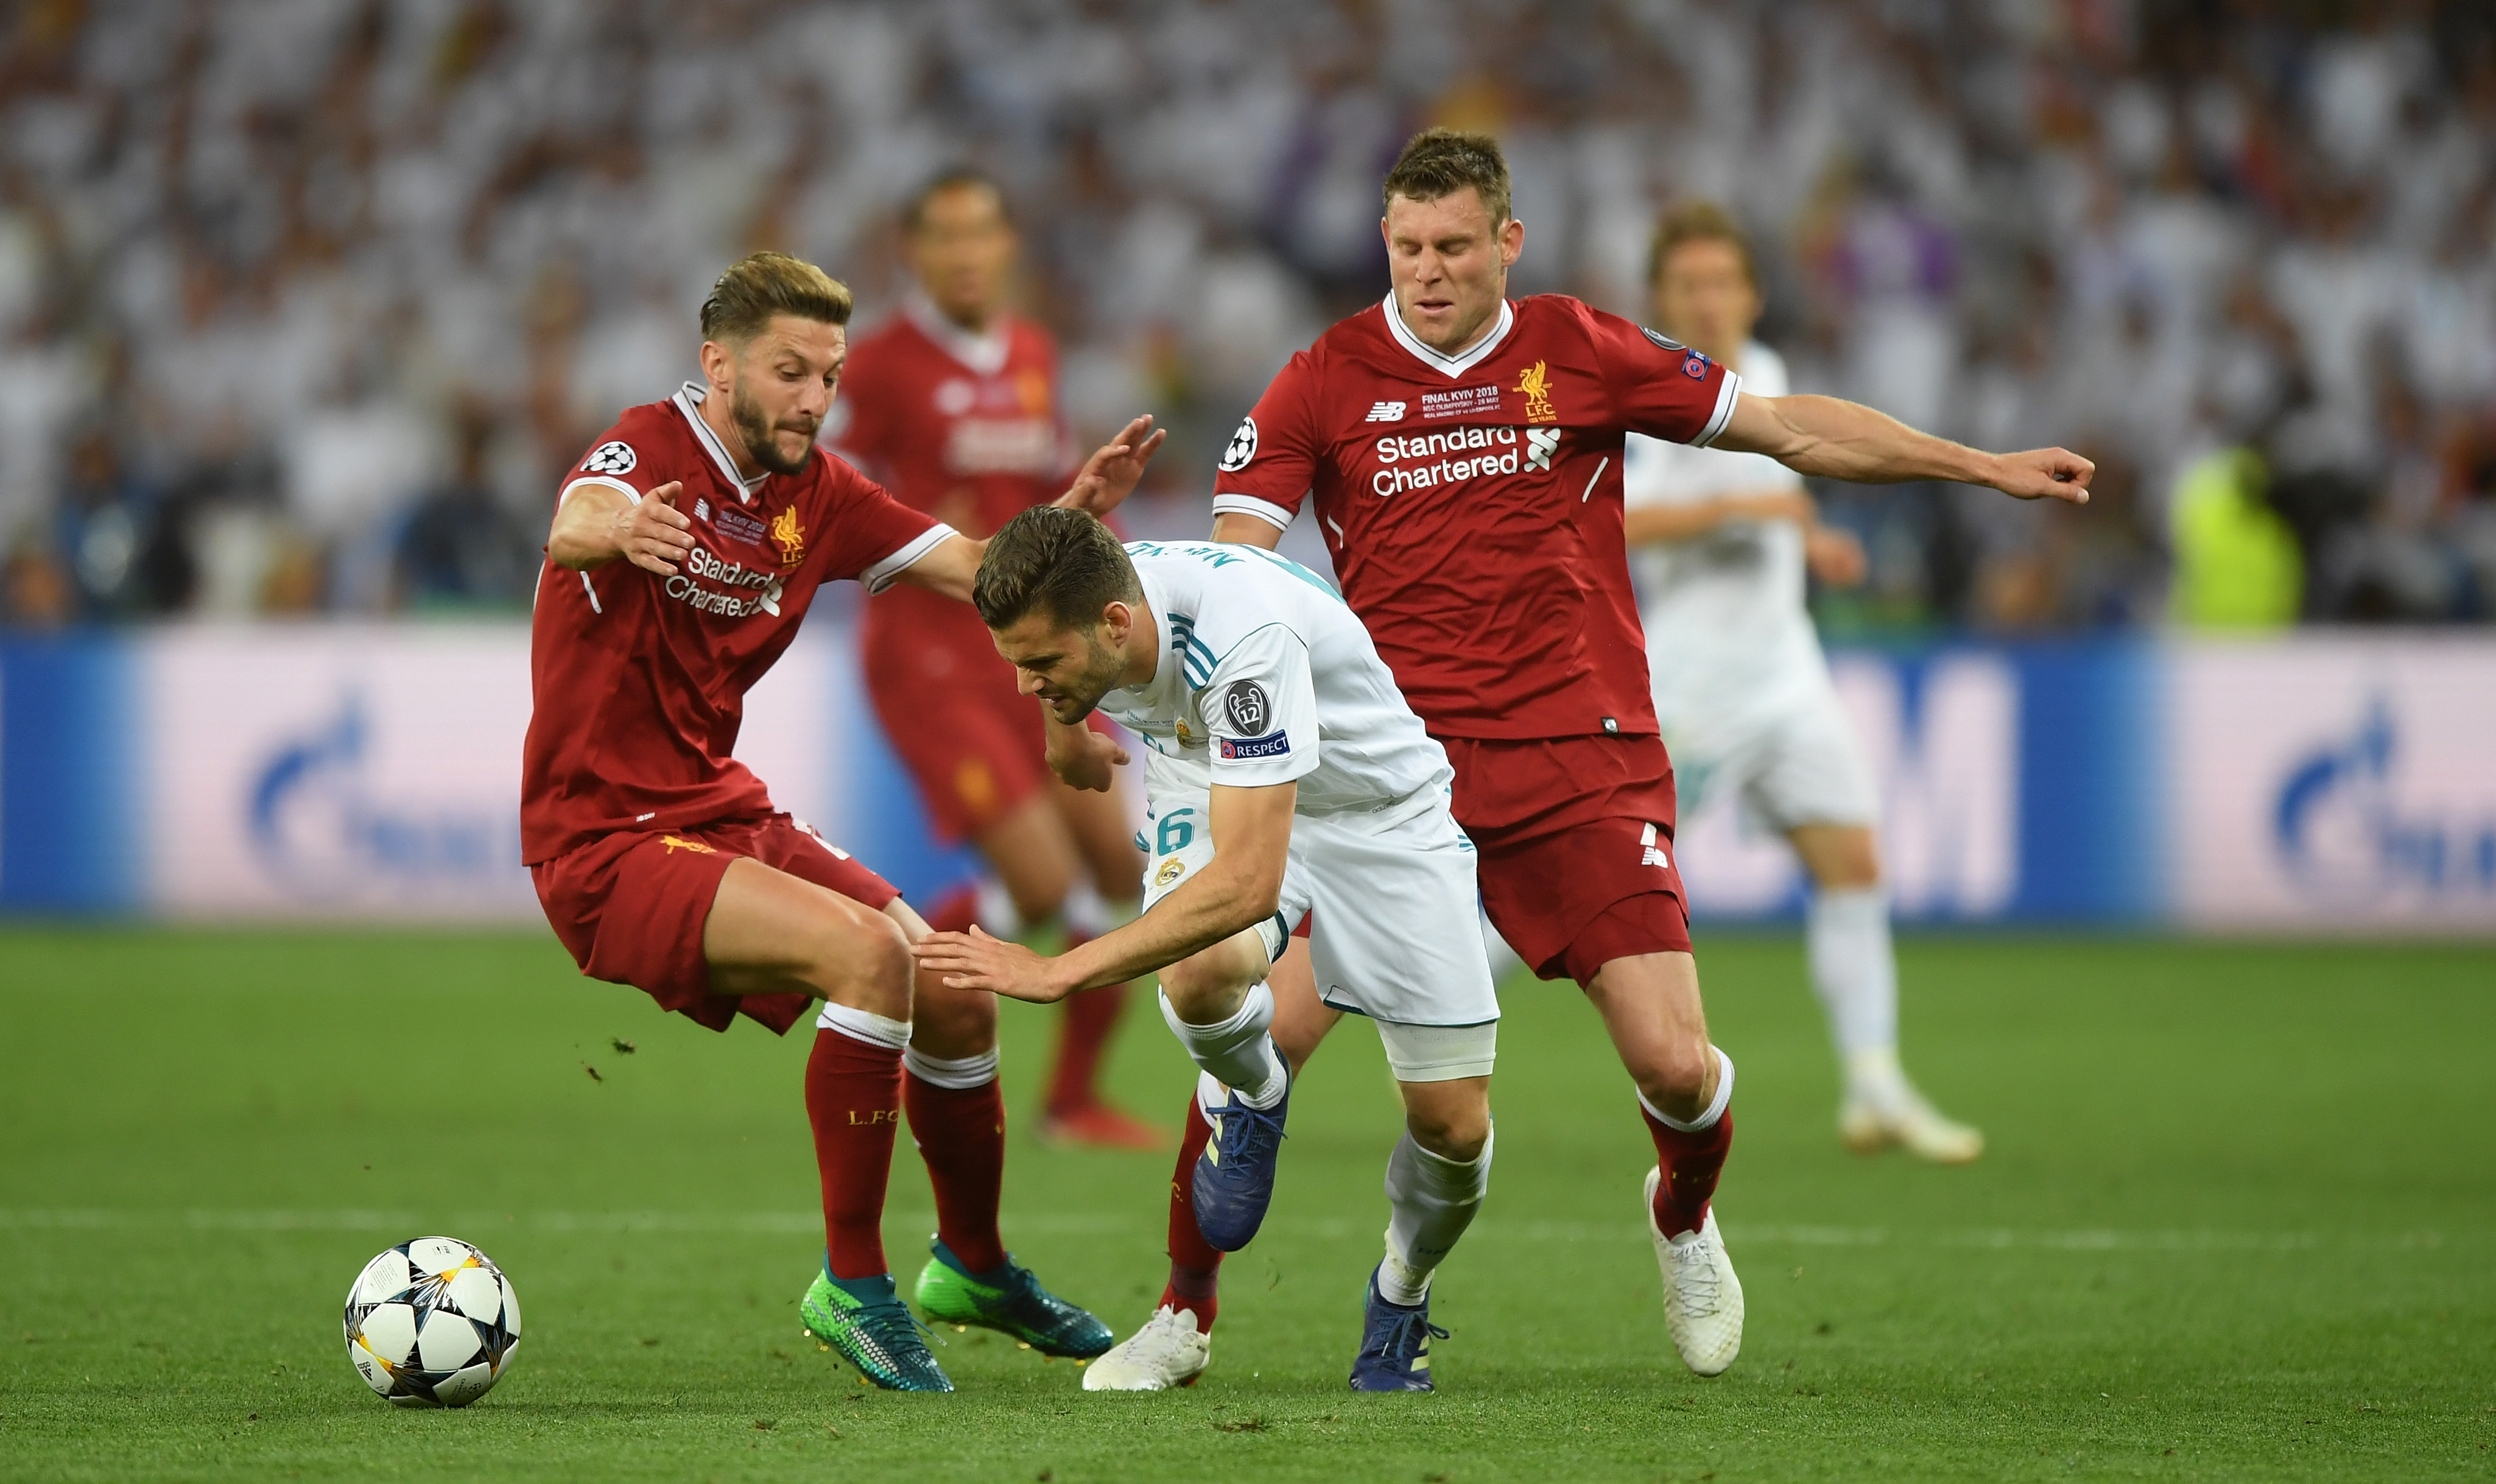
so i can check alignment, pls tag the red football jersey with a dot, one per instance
(639, 680)
(1472, 504)
(965, 427)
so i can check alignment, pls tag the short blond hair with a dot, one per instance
(1438, 162)
(1697, 221)
(762, 284)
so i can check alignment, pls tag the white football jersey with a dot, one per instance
(1267, 677)
(1728, 635)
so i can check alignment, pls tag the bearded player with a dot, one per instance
(953, 406)
(1741, 690)
(1463, 452)
(685, 549)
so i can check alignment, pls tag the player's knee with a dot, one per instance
(865, 959)
(1676, 1077)
(949, 1023)
(1454, 1131)
(1209, 982)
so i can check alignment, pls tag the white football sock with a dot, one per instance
(1857, 974)
(1432, 1199)
(1238, 1050)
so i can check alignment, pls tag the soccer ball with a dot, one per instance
(432, 1322)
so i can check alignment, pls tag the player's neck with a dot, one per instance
(715, 416)
(1144, 648)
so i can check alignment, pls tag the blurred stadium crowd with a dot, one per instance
(305, 305)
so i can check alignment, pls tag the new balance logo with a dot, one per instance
(1651, 853)
(1539, 445)
(1385, 412)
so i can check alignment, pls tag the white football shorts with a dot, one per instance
(1397, 935)
(1800, 764)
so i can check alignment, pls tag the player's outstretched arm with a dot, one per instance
(1841, 440)
(597, 523)
(1237, 890)
(1111, 475)
(1080, 757)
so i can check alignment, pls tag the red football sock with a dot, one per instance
(1195, 1265)
(961, 1134)
(852, 1098)
(955, 911)
(1083, 1034)
(1690, 1163)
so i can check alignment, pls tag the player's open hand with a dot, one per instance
(974, 960)
(2049, 474)
(653, 534)
(1085, 758)
(1108, 477)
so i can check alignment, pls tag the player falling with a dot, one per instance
(1741, 689)
(684, 552)
(953, 406)
(1231, 664)
(1463, 451)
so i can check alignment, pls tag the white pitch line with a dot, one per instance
(1102, 1223)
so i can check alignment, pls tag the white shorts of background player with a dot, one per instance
(1396, 932)
(1795, 763)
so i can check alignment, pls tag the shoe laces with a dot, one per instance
(1164, 1334)
(1251, 1119)
(892, 1328)
(1409, 1333)
(1696, 1287)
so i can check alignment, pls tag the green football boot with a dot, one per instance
(878, 1336)
(1010, 1301)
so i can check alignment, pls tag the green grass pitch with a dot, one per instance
(2238, 1220)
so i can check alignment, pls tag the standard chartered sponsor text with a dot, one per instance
(1497, 454)
(736, 574)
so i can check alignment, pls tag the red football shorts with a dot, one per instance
(631, 907)
(971, 740)
(1575, 836)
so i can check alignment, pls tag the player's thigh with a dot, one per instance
(1302, 1020)
(1449, 1117)
(1396, 931)
(1033, 854)
(1651, 1009)
(946, 1024)
(1838, 856)
(770, 932)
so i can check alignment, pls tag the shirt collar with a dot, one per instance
(689, 400)
(983, 352)
(1451, 366)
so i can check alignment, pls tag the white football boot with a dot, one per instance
(1702, 1299)
(1166, 1353)
(1869, 1123)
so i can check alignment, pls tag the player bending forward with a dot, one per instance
(685, 549)
(1286, 777)
(1743, 690)
(1463, 451)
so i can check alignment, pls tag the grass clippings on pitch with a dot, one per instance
(2236, 1222)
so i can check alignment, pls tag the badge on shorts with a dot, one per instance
(1171, 869)
(1247, 705)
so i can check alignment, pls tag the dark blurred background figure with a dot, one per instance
(273, 252)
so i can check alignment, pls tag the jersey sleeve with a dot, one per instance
(1270, 462)
(1660, 387)
(624, 458)
(875, 537)
(1260, 711)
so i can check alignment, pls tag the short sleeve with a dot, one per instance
(618, 460)
(1270, 462)
(874, 536)
(1660, 387)
(1260, 711)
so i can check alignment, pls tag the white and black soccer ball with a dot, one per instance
(432, 1322)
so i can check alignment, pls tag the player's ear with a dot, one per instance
(1511, 242)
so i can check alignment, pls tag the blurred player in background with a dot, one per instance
(1463, 453)
(1720, 542)
(685, 551)
(952, 404)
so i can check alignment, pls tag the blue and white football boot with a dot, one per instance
(1233, 1180)
(1394, 1345)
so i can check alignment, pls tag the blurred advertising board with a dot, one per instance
(2319, 784)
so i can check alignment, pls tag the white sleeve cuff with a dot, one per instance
(1266, 511)
(618, 485)
(876, 578)
(1727, 396)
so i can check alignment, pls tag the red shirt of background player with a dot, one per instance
(640, 679)
(965, 427)
(1473, 508)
